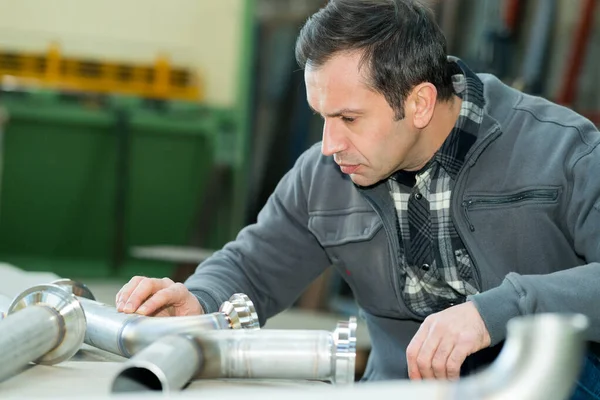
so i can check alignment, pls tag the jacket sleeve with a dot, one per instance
(573, 290)
(271, 261)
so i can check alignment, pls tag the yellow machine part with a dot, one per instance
(160, 81)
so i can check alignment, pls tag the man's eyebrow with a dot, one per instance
(339, 113)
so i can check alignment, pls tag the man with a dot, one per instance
(450, 202)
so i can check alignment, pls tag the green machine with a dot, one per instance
(84, 182)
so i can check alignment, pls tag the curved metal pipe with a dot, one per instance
(127, 334)
(541, 359)
(169, 363)
(45, 325)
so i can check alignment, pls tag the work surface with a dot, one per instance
(90, 372)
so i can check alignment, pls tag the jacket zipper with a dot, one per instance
(469, 162)
(544, 194)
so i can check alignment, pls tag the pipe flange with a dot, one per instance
(240, 312)
(74, 287)
(344, 338)
(71, 314)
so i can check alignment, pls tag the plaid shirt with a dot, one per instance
(449, 276)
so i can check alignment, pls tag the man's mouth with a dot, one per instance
(349, 169)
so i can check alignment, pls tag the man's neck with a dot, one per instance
(437, 131)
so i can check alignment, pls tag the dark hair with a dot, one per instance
(403, 45)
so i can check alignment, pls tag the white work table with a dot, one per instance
(90, 372)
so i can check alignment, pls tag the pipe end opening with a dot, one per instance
(136, 379)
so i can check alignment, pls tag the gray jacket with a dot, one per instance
(526, 204)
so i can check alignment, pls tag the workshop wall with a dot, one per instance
(202, 34)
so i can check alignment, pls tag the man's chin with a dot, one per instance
(362, 180)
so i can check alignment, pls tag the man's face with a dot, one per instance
(359, 130)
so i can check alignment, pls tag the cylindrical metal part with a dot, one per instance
(281, 354)
(76, 288)
(268, 354)
(166, 365)
(139, 333)
(104, 326)
(541, 360)
(259, 354)
(239, 311)
(45, 325)
(26, 336)
(127, 334)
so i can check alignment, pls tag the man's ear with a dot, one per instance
(421, 102)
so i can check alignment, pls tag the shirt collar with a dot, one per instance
(469, 88)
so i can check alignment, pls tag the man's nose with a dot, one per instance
(333, 140)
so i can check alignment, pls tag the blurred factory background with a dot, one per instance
(136, 136)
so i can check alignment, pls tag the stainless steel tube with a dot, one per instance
(127, 334)
(541, 359)
(44, 325)
(167, 364)
(26, 336)
(266, 354)
(281, 354)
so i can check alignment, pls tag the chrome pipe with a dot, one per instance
(44, 325)
(127, 334)
(265, 354)
(541, 359)
(167, 364)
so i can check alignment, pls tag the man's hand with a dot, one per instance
(157, 297)
(444, 341)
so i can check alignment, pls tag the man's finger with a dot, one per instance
(144, 289)
(425, 356)
(440, 358)
(171, 295)
(457, 357)
(123, 294)
(413, 349)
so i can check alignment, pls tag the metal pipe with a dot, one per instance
(266, 354)
(541, 359)
(44, 325)
(127, 334)
(177, 357)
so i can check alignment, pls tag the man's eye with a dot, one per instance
(347, 119)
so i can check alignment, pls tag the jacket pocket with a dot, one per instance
(520, 198)
(517, 231)
(357, 246)
(339, 228)
(531, 196)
